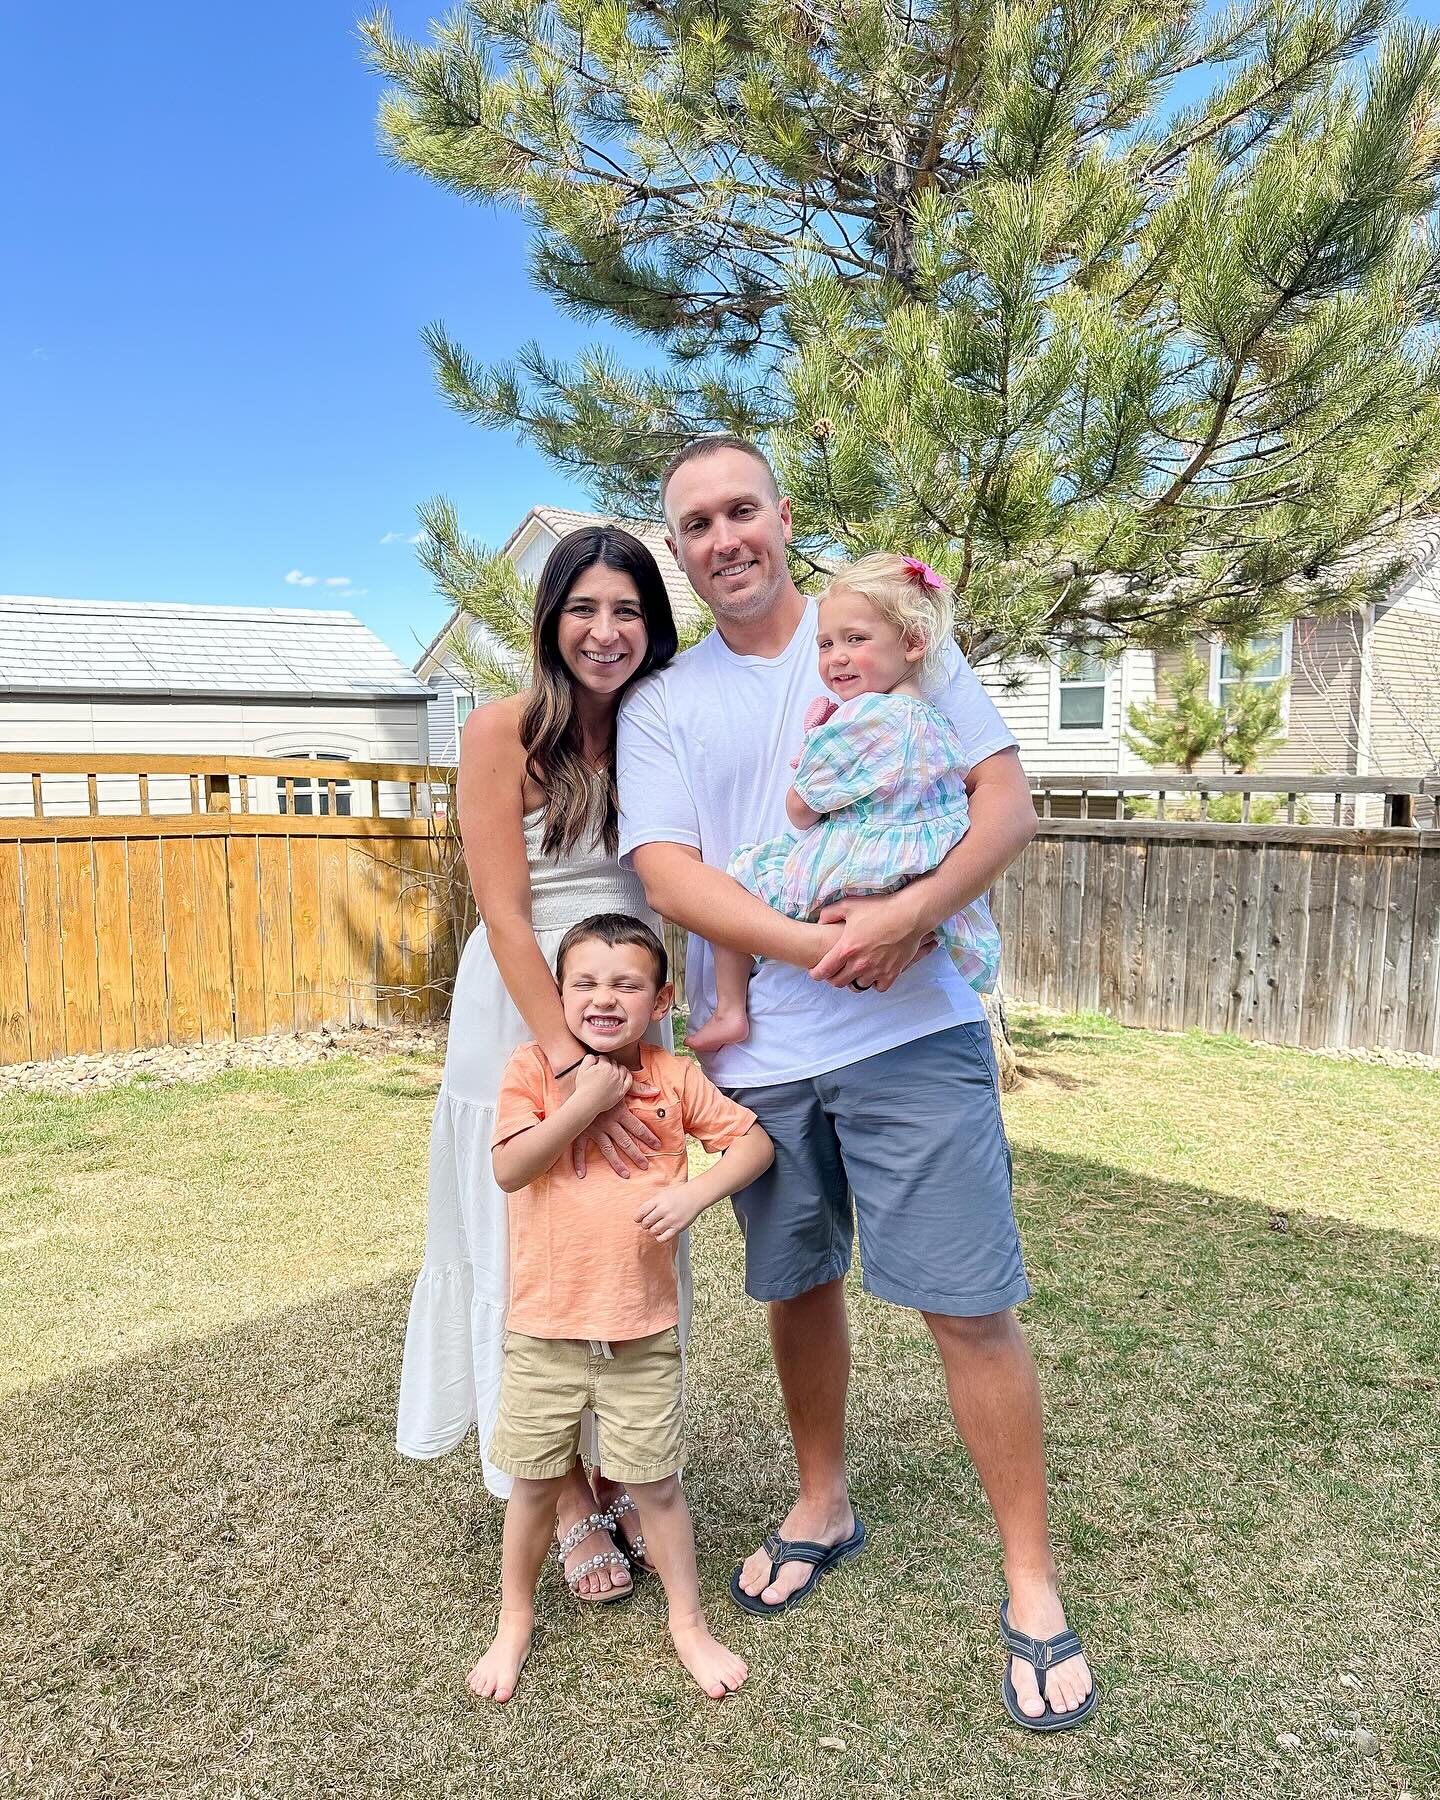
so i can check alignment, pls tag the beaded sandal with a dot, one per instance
(634, 1546)
(607, 1559)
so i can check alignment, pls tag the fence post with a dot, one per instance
(217, 793)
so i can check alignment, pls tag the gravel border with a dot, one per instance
(171, 1063)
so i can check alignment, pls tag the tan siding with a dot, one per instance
(1027, 711)
(1405, 691)
(1324, 699)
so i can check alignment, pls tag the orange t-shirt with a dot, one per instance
(580, 1267)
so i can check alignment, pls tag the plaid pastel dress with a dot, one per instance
(888, 773)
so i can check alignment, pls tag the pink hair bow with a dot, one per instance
(921, 572)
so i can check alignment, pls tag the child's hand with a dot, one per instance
(601, 1083)
(670, 1211)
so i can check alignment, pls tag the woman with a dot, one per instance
(537, 811)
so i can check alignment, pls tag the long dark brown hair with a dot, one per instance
(576, 793)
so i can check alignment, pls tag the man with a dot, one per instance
(868, 1061)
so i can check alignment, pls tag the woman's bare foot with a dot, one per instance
(495, 1675)
(717, 1670)
(721, 1028)
(576, 1503)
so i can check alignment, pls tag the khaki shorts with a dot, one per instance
(635, 1394)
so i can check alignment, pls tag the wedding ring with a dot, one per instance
(862, 987)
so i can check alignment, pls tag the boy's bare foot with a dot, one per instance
(717, 1670)
(721, 1028)
(495, 1675)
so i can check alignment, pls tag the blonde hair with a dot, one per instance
(903, 600)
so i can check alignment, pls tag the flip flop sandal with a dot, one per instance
(607, 1559)
(822, 1557)
(1042, 1654)
(634, 1547)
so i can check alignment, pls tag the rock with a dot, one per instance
(1347, 1680)
(1366, 1742)
(832, 1743)
(1287, 1740)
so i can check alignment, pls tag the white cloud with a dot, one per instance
(296, 579)
(337, 581)
(399, 537)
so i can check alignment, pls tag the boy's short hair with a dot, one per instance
(707, 446)
(612, 929)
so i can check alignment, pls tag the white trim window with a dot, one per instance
(312, 798)
(1275, 667)
(465, 704)
(1079, 692)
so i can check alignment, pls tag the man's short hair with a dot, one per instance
(613, 929)
(707, 446)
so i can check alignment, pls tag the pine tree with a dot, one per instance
(1116, 369)
(1253, 711)
(1191, 725)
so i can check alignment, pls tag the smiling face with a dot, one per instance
(861, 652)
(610, 995)
(601, 632)
(728, 531)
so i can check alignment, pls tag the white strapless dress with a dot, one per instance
(450, 1378)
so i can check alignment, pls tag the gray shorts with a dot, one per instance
(915, 1136)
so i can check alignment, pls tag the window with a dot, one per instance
(312, 798)
(1274, 652)
(464, 706)
(1081, 681)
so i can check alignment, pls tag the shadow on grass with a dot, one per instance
(222, 1580)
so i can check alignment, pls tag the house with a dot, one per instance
(528, 546)
(1364, 694)
(1363, 699)
(119, 677)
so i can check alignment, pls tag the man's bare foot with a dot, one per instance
(717, 1670)
(577, 1503)
(820, 1525)
(495, 1675)
(721, 1028)
(1035, 1609)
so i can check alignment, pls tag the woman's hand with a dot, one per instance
(617, 1134)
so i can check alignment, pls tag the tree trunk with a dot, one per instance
(1005, 1059)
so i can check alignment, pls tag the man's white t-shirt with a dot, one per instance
(704, 760)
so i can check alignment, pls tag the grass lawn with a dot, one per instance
(218, 1579)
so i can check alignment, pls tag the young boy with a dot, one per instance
(593, 1310)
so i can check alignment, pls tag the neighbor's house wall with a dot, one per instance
(1405, 683)
(441, 673)
(1323, 704)
(1031, 708)
(359, 731)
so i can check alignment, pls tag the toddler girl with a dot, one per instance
(879, 791)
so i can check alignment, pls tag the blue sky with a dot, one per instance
(210, 367)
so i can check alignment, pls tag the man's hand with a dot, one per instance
(668, 1213)
(618, 1134)
(880, 940)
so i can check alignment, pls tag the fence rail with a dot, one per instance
(1315, 935)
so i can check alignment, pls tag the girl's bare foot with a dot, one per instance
(495, 1675)
(717, 1670)
(722, 1027)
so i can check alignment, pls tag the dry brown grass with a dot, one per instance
(220, 1580)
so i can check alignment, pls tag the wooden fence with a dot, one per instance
(1294, 933)
(169, 900)
(284, 897)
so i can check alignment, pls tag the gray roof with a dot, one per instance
(113, 648)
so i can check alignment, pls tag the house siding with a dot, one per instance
(1405, 686)
(1027, 707)
(1324, 699)
(359, 731)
